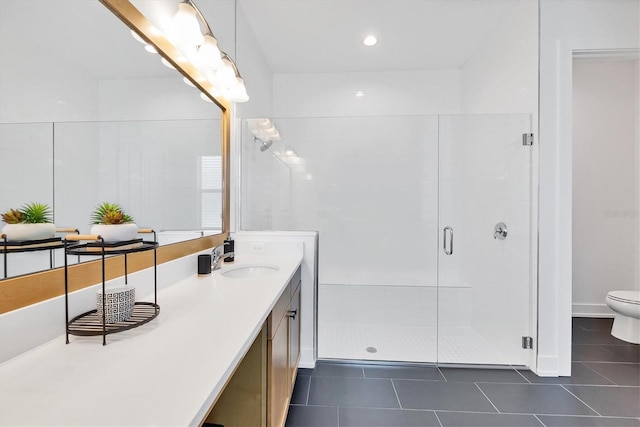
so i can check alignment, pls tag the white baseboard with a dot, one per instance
(591, 310)
(307, 359)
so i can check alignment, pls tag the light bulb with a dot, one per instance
(209, 53)
(185, 28)
(151, 49)
(238, 92)
(225, 76)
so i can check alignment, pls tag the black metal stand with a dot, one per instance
(90, 323)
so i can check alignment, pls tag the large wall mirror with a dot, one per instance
(87, 116)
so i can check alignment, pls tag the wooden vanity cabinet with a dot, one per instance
(283, 352)
(259, 391)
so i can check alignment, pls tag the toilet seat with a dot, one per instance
(629, 297)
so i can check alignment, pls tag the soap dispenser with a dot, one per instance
(229, 248)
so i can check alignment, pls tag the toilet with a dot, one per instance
(626, 325)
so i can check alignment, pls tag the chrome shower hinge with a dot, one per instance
(527, 139)
(527, 342)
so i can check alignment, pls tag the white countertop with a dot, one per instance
(167, 372)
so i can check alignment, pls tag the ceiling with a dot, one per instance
(296, 36)
(300, 36)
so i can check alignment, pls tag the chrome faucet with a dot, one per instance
(217, 255)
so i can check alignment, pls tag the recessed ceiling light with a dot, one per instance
(370, 40)
(359, 93)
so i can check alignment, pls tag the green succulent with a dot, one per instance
(31, 213)
(36, 213)
(110, 214)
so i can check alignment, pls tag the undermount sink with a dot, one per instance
(249, 270)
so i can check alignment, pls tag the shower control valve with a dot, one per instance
(500, 231)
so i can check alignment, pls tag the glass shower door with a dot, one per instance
(484, 238)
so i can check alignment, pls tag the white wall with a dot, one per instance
(38, 87)
(566, 26)
(605, 181)
(394, 93)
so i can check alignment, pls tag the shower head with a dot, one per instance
(264, 145)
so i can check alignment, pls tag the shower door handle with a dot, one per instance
(448, 249)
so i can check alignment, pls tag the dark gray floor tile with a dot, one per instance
(568, 421)
(580, 336)
(610, 401)
(324, 369)
(534, 399)
(404, 372)
(368, 417)
(468, 419)
(358, 392)
(593, 353)
(619, 373)
(482, 375)
(625, 353)
(580, 374)
(312, 416)
(300, 390)
(593, 324)
(305, 371)
(447, 396)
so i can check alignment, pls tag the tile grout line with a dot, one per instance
(396, 392)
(539, 420)
(525, 378)
(598, 373)
(486, 397)
(438, 418)
(582, 401)
(306, 402)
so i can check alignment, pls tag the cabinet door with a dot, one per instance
(279, 388)
(294, 335)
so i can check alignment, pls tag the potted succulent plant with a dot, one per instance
(112, 223)
(31, 222)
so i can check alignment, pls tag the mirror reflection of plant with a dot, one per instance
(31, 213)
(110, 214)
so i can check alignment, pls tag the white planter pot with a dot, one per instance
(115, 233)
(29, 231)
(119, 303)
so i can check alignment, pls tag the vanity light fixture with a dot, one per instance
(185, 28)
(204, 53)
(370, 40)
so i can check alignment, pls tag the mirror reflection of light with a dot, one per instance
(167, 63)
(205, 97)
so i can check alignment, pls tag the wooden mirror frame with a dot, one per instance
(21, 291)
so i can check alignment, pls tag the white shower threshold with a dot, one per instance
(406, 344)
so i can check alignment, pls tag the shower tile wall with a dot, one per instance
(369, 185)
